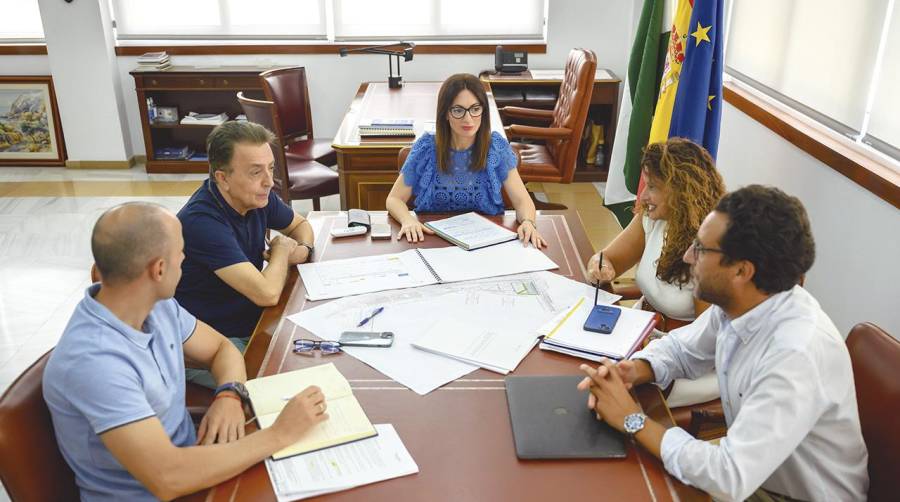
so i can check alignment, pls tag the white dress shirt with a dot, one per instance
(789, 401)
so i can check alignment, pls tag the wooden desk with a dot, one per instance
(604, 107)
(368, 167)
(460, 434)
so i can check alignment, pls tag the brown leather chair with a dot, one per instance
(31, 466)
(287, 88)
(554, 161)
(411, 203)
(306, 178)
(875, 356)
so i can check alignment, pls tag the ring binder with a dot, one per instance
(429, 267)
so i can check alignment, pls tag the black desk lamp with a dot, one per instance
(406, 52)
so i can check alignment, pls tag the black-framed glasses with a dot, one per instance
(698, 248)
(459, 112)
(305, 345)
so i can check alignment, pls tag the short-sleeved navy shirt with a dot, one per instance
(217, 236)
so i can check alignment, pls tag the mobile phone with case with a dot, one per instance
(602, 319)
(366, 338)
(381, 231)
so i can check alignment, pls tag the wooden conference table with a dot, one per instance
(460, 434)
(368, 167)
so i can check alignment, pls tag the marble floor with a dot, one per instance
(46, 216)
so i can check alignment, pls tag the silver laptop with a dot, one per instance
(550, 419)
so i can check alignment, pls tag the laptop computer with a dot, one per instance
(551, 420)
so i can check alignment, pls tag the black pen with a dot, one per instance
(597, 285)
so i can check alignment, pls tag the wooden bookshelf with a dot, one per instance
(190, 89)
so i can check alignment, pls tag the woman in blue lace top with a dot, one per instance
(462, 167)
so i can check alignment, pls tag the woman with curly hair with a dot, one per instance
(462, 167)
(682, 187)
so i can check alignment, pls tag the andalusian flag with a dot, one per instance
(689, 93)
(690, 96)
(641, 88)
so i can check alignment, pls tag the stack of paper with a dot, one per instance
(566, 334)
(343, 467)
(347, 420)
(156, 60)
(387, 127)
(471, 231)
(194, 118)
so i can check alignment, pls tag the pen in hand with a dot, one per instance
(370, 317)
(597, 284)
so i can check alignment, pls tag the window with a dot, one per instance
(20, 22)
(331, 20)
(216, 19)
(439, 19)
(822, 58)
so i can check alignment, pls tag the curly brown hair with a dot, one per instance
(694, 188)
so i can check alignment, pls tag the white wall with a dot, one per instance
(856, 275)
(24, 65)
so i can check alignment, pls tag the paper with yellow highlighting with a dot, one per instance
(347, 421)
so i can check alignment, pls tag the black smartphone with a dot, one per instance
(602, 319)
(366, 338)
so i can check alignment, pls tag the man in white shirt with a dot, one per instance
(784, 370)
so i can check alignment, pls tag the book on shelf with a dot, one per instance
(194, 118)
(172, 153)
(199, 157)
(347, 421)
(471, 231)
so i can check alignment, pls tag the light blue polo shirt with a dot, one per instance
(105, 374)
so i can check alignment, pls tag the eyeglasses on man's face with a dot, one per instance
(459, 112)
(697, 248)
(305, 345)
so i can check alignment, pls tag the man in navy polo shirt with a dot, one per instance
(115, 382)
(224, 224)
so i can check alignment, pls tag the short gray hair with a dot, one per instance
(125, 239)
(220, 142)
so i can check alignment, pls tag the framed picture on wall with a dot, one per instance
(30, 131)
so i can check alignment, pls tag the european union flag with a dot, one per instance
(697, 113)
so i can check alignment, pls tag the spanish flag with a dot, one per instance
(690, 98)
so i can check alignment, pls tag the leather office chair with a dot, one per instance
(411, 203)
(295, 178)
(287, 89)
(31, 465)
(875, 356)
(554, 161)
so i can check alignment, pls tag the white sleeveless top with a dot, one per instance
(668, 299)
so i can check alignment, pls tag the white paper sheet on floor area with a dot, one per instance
(342, 467)
(520, 303)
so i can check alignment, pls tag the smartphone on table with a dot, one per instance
(366, 339)
(602, 319)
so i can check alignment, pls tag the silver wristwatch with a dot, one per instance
(634, 423)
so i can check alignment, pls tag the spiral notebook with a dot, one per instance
(387, 128)
(418, 267)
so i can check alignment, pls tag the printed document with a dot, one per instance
(342, 467)
(471, 231)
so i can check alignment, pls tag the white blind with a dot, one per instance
(884, 122)
(263, 19)
(439, 19)
(819, 53)
(20, 21)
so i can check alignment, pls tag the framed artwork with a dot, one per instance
(30, 131)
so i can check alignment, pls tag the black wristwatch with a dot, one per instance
(236, 387)
(310, 248)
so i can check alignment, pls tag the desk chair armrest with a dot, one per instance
(526, 113)
(626, 288)
(706, 416)
(522, 131)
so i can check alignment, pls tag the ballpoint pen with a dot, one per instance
(370, 316)
(597, 284)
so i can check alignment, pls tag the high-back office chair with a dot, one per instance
(31, 466)
(295, 178)
(554, 161)
(875, 356)
(287, 88)
(411, 203)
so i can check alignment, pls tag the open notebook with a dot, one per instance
(418, 267)
(347, 421)
(471, 231)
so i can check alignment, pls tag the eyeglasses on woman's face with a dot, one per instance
(459, 112)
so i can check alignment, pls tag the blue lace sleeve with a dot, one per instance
(419, 168)
(501, 160)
